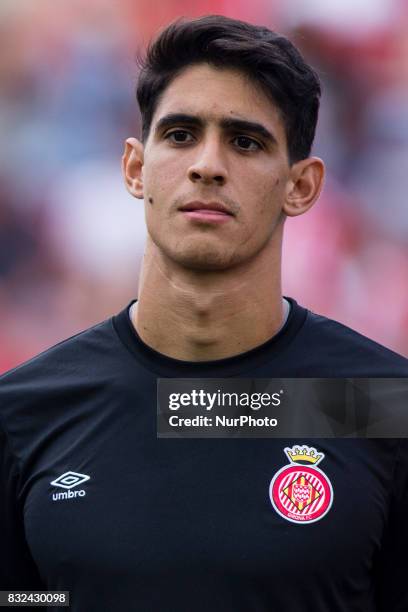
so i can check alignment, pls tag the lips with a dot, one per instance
(210, 208)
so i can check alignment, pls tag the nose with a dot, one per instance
(208, 167)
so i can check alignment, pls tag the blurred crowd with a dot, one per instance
(71, 238)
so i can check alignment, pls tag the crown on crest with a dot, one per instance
(303, 454)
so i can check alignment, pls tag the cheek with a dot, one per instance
(269, 196)
(158, 181)
(265, 200)
(163, 169)
(160, 189)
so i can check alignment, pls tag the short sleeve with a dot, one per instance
(392, 577)
(17, 568)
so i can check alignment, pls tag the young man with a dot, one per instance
(92, 502)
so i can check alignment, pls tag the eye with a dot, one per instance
(179, 136)
(246, 143)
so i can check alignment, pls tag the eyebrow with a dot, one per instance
(227, 123)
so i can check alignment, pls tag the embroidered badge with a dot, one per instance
(300, 492)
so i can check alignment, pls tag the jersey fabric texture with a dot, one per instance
(182, 525)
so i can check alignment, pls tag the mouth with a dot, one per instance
(209, 212)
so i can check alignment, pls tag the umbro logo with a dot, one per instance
(69, 480)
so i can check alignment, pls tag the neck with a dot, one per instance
(196, 315)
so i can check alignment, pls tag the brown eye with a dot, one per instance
(246, 143)
(179, 136)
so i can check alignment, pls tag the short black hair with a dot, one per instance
(267, 58)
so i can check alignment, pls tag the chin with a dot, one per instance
(202, 257)
(208, 262)
(200, 253)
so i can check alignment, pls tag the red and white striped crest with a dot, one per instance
(301, 493)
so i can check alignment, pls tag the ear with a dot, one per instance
(304, 186)
(132, 167)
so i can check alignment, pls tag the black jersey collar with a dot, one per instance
(221, 368)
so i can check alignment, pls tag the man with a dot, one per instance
(92, 502)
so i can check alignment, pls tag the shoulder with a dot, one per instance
(76, 348)
(59, 393)
(344, 352)
(72, 365)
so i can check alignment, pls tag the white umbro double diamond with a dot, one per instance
(69, 480)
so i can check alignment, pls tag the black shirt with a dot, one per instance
(175, 525)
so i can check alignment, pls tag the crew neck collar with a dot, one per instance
(221, 368)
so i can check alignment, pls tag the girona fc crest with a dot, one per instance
(300, 492)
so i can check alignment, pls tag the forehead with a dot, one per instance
(213, 93)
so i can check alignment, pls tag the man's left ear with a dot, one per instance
(304, 186)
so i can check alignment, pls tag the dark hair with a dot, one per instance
(267, 58)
